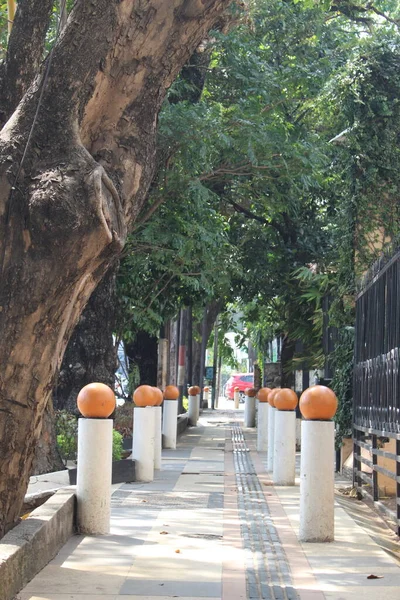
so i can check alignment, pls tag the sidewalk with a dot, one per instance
(210, 526)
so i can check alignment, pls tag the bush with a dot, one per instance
(342, 382)
(117, 445)
(67, 437)
(67, 434)
(123, 419)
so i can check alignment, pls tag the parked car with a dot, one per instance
(240, 380)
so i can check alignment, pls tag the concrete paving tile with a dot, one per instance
(203, 482)
(189, 589)
(28, 596)
(163, 563)
(56, 580)
(129, 597)
(330, 582)
(117, 545)
(93, 563)
(360, 562)
(365, 593)
(201, 466)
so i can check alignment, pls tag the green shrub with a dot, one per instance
(117, 445)
(67, 437)
(67, 434)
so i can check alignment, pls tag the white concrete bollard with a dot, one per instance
(198, 406)
(262, 419)
(262, 427)
(250, 407)
(170, 417)
(284, 462)
(271, 433)
(236, 398)
(317, 404)
(157, 427)
(271, 428)
(143, 442)
(93, 482)
(157, 437)
(96, 401)
(317, 481)
(170, 423)
(298, 434)
(193, 406)
(206, 395)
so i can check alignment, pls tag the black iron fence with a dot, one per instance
(376, 409)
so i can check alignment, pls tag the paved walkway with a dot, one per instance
(210, 526)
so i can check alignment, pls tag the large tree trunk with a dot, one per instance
(173, 351)
(204, 329)
(76, 160)
(91, 354)
(143, 352)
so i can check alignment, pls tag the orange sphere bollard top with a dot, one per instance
(145, 395)
(96, 401)
(159, 396)
(237, 389)
(271, 396)
(286, 399)
(318, 403)
(250, 392)
(263, 394)
(206, 389)
(193, 390)
(171, 392)
(198, 390)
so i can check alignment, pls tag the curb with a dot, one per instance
(27, 548)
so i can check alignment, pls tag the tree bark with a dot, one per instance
(189, 349)
(181, 378)
(22, 60)
(204, 329)
(287, 355)
(47, 458)
(76, 161)
(173, 351)
(143, 352)
(91, 354)
(257, 376)
(163, 357)
(214, 399)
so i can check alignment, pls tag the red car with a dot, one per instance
(240, 380)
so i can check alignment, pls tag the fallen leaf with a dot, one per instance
(177, 551)
(163, 532)
(144, 500)
(375, 577)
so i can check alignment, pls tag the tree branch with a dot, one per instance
(250, 215)
(383, 15)
(245, 211)
(24, 53)
(149, 213)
